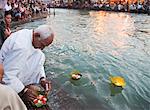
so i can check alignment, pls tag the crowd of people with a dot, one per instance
(24, 9)
(123, 6)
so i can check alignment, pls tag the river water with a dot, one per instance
(98, 44)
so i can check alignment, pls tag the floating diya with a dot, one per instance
(118, 81)
(76, 75)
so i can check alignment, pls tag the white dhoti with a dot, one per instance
(9, 100)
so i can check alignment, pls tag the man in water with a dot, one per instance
(23, 60)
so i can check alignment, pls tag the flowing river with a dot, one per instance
(99, 44)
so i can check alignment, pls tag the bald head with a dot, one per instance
(44, 30)
(42, 36)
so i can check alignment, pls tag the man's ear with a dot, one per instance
(36, 34)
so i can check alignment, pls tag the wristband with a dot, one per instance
(23, 91)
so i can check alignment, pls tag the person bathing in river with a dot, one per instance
(23, 60)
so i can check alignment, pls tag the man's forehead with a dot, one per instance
(47, 40)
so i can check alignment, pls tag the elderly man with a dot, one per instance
(23, 60)
(5, 27)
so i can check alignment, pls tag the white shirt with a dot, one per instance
(139, 6)
(23, 64)
(7, 8)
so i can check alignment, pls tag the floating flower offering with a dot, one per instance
(75, 75)
(40, 101)
(118, 81)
